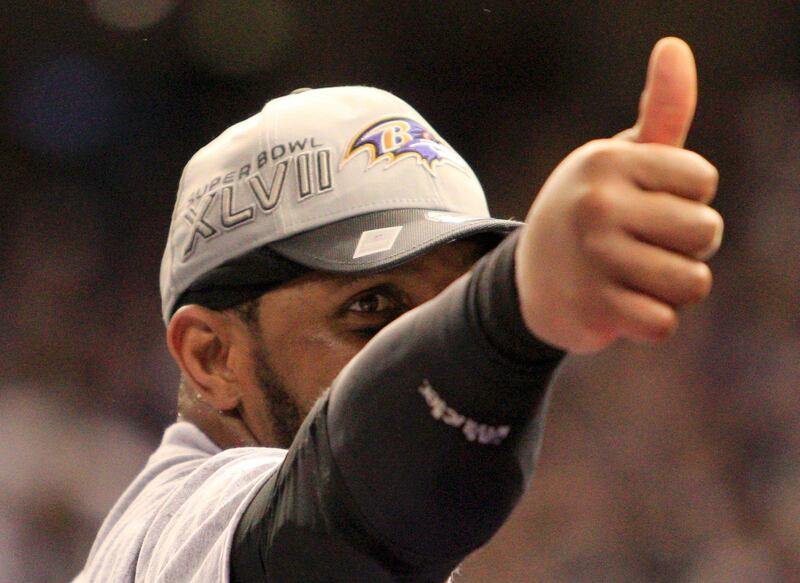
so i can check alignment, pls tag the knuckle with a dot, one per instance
(595, 205)
(699, 283)
(600, 325)
(709, 180)
(600, 316)
(662, 325)
(595, 341)
(600, 155)
(709, 226)
(597, 248)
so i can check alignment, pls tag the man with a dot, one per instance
(334, 240)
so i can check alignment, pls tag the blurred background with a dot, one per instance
(676, 463)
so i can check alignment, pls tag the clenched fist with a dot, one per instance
(616, 240)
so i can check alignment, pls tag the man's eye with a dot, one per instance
(372, 304)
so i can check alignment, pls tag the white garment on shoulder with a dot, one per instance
(176, 521)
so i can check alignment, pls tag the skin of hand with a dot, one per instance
(616, 239)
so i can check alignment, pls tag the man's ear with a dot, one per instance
(200, 340)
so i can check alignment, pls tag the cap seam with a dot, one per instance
(439, 206)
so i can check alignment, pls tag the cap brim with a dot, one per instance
(381, 240)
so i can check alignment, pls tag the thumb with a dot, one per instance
(667, 105)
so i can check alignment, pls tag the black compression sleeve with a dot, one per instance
(411, 462)
(420, 451)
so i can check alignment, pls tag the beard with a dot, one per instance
(283, 408)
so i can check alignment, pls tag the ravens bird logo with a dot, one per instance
(393, 139)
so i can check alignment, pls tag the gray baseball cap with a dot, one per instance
(341, 179)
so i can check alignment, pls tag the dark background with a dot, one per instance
(675, 463)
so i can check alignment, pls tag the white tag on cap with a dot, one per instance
(444, 217)
(376, 240)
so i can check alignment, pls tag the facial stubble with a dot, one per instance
(284, 411)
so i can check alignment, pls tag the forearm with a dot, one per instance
(436, 426)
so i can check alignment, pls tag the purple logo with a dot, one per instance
(395, 138)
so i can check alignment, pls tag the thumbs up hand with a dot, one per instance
(615, 241)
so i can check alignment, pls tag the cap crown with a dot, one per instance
(307, 160)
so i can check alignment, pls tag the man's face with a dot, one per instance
(309, 329)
